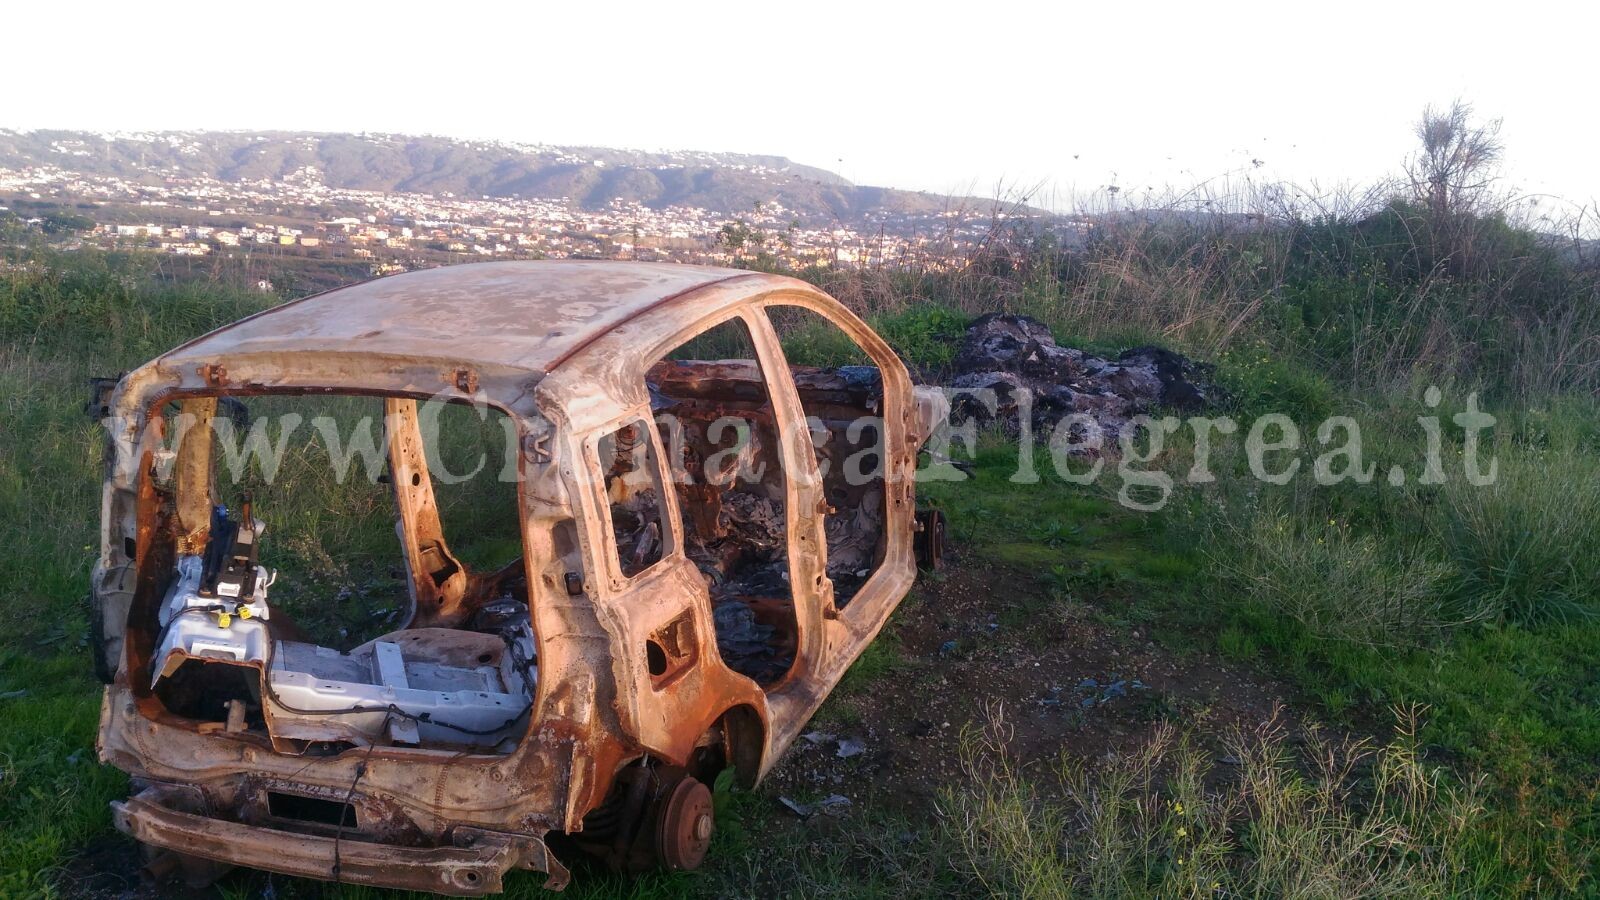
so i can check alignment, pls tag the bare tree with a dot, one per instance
(1458, 160)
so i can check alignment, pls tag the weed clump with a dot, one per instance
(1339, 818)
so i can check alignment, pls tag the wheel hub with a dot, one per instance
(683, 833)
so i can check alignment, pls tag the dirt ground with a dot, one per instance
(1064, 682)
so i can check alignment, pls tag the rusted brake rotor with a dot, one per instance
(684, 825)
(928, 541)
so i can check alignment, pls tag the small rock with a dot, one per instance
(850, 747)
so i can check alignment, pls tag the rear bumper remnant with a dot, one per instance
(474, 867)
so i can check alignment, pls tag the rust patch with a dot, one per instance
(214, 374)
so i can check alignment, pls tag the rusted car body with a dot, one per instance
(630, 707)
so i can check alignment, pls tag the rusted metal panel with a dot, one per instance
(525, 315)
(474, 864)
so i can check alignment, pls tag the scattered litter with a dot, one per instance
(947, 648)
(847, 748)
(850, 747)
(1229, 760)
(832, 805)
(1092, 692)
(75, 757)
(13, 695)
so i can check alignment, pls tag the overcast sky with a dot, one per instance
(951, 98)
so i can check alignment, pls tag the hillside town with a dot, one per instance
(301, 215)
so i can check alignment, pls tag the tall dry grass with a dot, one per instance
(1374, 289)
(1333, 818)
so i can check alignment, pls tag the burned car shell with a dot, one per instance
(562, 348)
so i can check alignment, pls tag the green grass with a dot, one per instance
(1475, 603)
(53, 791)
(61, 325)
(880, 659)
(1363, 602)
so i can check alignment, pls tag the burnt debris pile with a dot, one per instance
(1010, 368)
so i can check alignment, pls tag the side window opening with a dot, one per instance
(715, 415)
(633, 494)
(841, 391)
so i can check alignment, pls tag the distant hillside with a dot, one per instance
(589, 177)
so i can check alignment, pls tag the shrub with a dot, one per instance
(1335, 583)
(1528, 546)
(927, 335)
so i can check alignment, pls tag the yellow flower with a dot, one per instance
(1180, 860)
(1177, 807)
(1183, 832)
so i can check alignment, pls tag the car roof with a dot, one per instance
(525, 315)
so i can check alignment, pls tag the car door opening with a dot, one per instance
(715, 414)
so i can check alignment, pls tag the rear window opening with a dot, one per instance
(339, 571)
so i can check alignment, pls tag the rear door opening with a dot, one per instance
(714, 411)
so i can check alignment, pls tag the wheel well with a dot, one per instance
(744, 739)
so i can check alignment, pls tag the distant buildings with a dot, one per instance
(301, 214)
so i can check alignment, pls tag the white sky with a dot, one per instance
(942, 97)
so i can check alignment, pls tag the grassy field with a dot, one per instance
(1453, 626)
